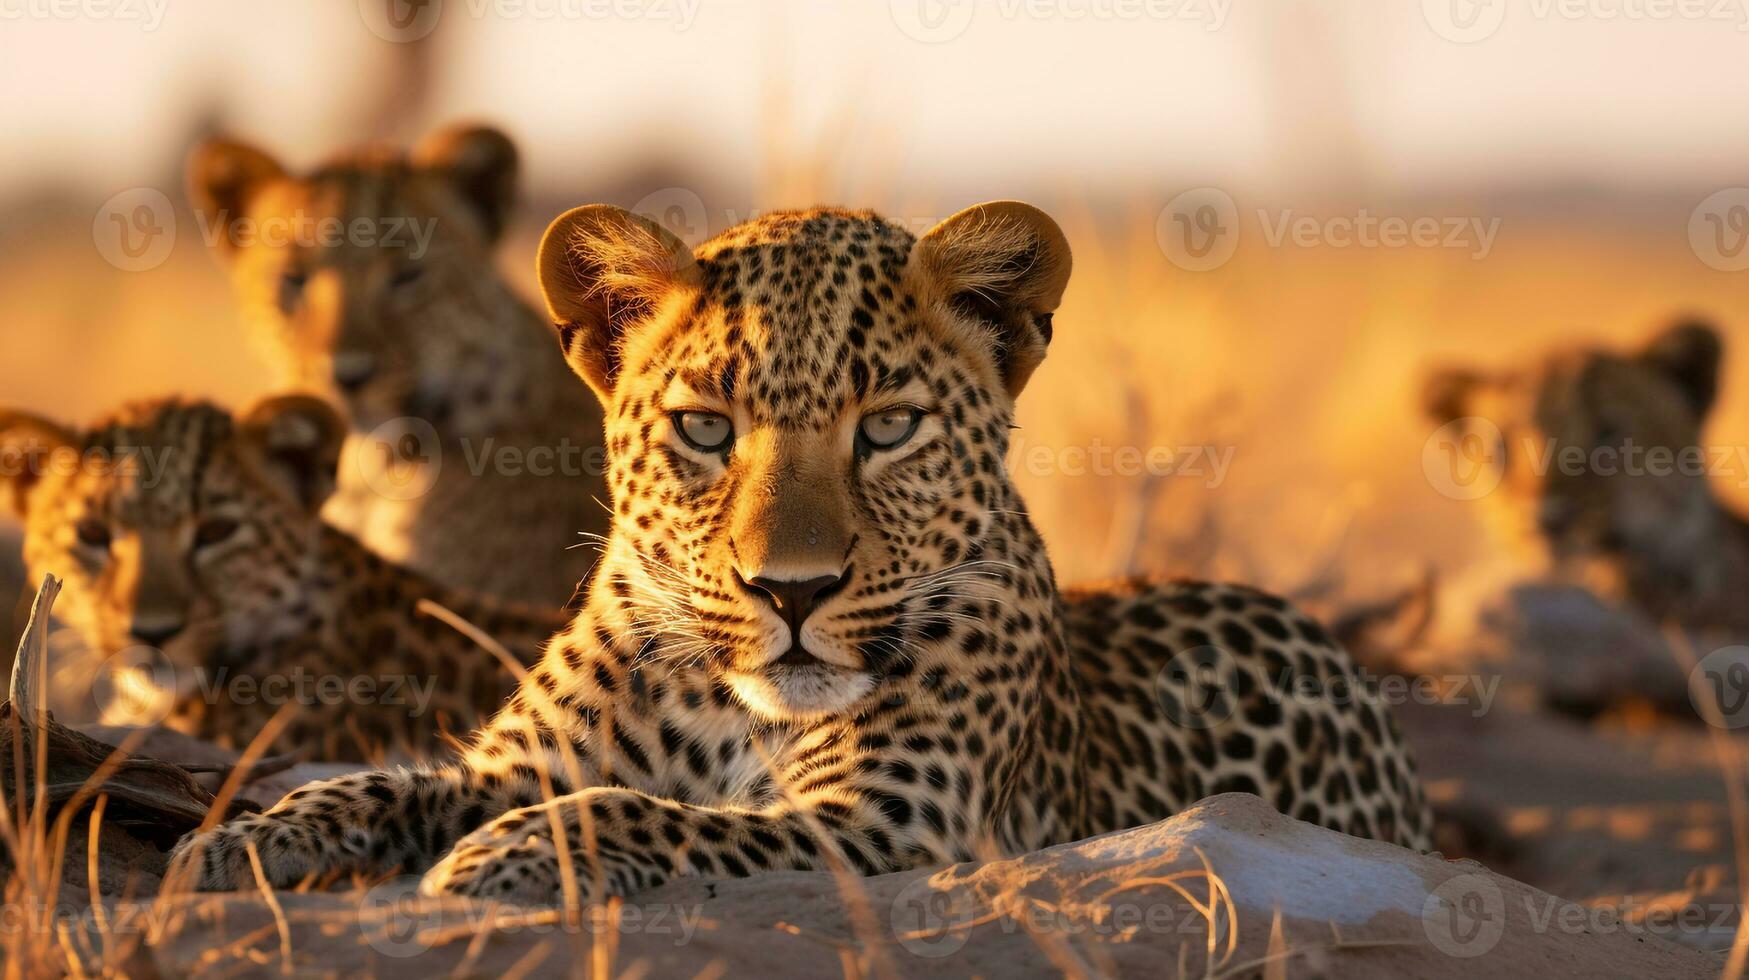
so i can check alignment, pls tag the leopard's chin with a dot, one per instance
(790, 692)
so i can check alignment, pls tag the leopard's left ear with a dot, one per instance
(26, 444)
(603, 271)
(480, 164)
(1003, 264)
(295, 441)
(1689, 353)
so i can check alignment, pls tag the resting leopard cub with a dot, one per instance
(372, 278)
(823, 630)
(1603, 476)
(178, 528)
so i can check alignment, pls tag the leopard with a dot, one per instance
(474, 457)
(824, 633)
(1600, 475)
(194, 561)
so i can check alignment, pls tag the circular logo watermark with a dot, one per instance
(1464, 21)
(1465, 917)
(678, 210)
(135, 686)
(1718, 687)
(1718, 230)
(401, 21)
(933, 21)
(932, 922)
(1199, 229)
(135, 230)
(400, 459)
(1194, 688)
(395, 920)
(1461, 458)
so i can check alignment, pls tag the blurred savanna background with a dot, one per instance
(1573, 151)
(1585, 167)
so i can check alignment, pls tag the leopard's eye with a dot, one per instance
(215, 530)
(291, 286)
(407, 275)
(891, 428)
(706, 432)
(93, 533)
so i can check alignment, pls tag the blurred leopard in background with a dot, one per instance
(1604, 477)
(178, 529)
(406, 318)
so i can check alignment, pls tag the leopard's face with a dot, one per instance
(173, 527)
(368, 279)
(1597, 453)
(805, 451)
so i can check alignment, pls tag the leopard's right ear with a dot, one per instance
(26, 444)
(222, 176)
(295, 440)
(603, 270)
(1445, 395)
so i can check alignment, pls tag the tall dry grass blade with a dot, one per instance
(1730, 761)
(272, 900)
(99, 914)
(455, 622)
(1276, 952)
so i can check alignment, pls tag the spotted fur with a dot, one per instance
(819, 644)
(178, 528)
(407, 318)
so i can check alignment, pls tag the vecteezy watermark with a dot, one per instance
(683, 213)
(402, 458)
(1463, 459)
(939, 21)
(1470, 21)
(399, 459)
(1718, 230)
(931, 921)
(135, 686)
(1194, 688)
(149, 14)
(1208, 463)
(409, 234)
(678, 210)
(135, 230)
(1200, 229)
(1718, 687)
(933, 918)
(396, 921)
(1200, 687)
(142, 685)
(405, 21)
(143, 466)
(1466, 459)
(1363, 229)
(1465, 917)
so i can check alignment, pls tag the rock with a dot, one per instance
(1276, 891)
(1586, 656)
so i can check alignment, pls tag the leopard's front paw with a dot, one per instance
(523, 869)
(218, 860)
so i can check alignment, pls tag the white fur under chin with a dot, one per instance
(782, 693)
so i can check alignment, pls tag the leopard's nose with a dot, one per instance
(795, 599)
(155, 630)
(353, 371)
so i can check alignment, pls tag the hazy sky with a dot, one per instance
(1267, 93)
